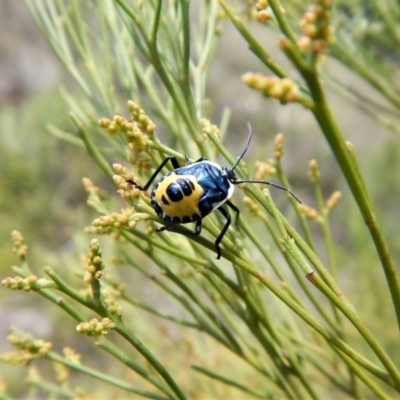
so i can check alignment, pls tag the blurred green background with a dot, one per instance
(41, 193)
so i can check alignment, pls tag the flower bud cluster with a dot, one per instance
(317, 31)
(71, 355)
(125, 189)
(94, 263)
(116, 220)
(263, 11)
(93, 193)
(278, 151)
(27, 284)
(333, 200)
(29, 349)
(253, 207)
(137, 131)
(283, 89)
(313, 171)
(61, 372)
(95, 327)
(110, 303)
(310, 212)
(264, 169)
(19, 245)
(115, 284)
(106, 224)
(135, 137)
(144, 123)
(208, 128)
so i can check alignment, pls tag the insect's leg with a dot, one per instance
(188, 160)
(237, 211)
(171, 228)
(174, 163)
(224, 229)
(197, 228)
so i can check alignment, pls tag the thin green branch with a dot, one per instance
(103, 377)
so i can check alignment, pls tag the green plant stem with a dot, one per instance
(279, 13)
(339, 301)
(104, 343)
(110, 348)
(333, 340)
(254, 44)
(52, 388)
(346, 53)
(120, 329)
(233, 383)
(102, 377)
(365, 378)
(96, 291)
(92, 149)
(282, 277)
(362, 329)
(333, 135)
(222, 334)
(300, 216)
(324, 221)
(154, 57)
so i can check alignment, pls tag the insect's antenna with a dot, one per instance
(271, 184)
(245, 149)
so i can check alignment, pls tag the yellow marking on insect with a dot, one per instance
(187, 206)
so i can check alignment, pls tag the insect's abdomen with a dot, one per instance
(175, 198)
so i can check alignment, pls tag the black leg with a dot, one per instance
(237, 211)
(224, 229)
(197, 228)
(189, 163)
(174, 163)
(171, 228)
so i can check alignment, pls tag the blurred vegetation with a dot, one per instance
(290, 311)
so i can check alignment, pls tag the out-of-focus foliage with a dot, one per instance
(278, 318)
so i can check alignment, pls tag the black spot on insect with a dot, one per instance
(176, 220)
(157, 208)
(186, 219)
(167, 218)
(186, 185)
(174, 192)
(196, 217)
(164, 200)
(153, 192)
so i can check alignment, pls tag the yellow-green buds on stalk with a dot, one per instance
(263, 11)
(19, 245)
(110, 303)
(264, 169)
(106, 224)
(95, 327)
(316, 27)
(94, 263)
(313, 171)
(138, 131)
(333, 200)
(27, 284)
(29, 349)
(278, 151)
(310, 212)
(283, 89)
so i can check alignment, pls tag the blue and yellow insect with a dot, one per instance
(188, 194)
